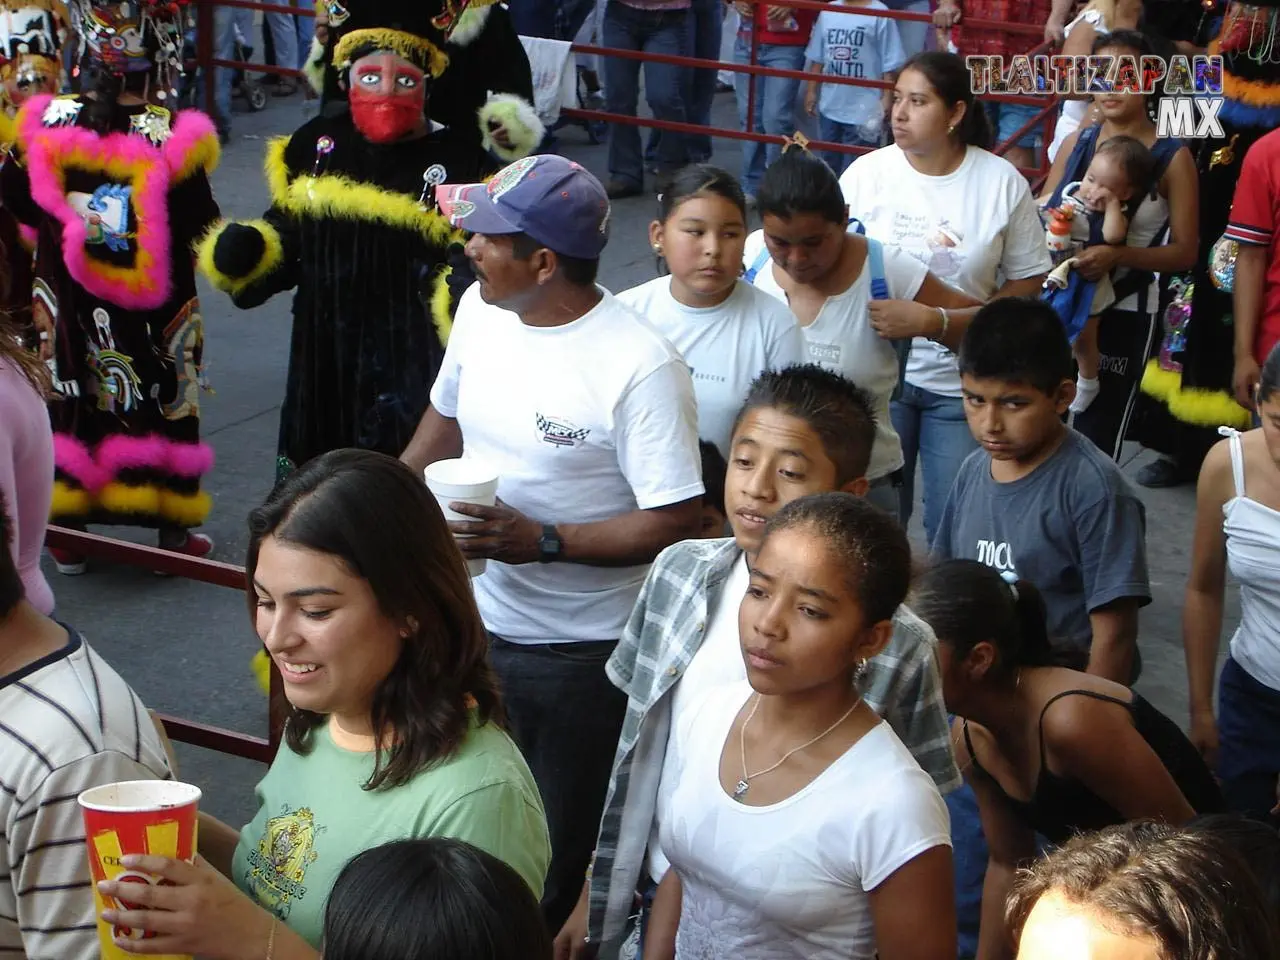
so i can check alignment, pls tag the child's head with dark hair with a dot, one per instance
(714, 521)
(1121, 167)
(1145, 890)
(801, 430)
(986, 626)
(1258, 845)
(803, 214)
(1018, 378)
(12, 591)
(700, 234)
(432, 898)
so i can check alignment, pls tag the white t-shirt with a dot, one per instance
(726, 346)
(717, 663)
(790, 880)
(974, 229)
(582, 423)
(841, 338)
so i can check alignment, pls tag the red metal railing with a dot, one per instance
(189, 568)
(1044, 117)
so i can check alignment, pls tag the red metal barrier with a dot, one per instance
(189, 568)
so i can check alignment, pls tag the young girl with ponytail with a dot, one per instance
(116, 186)
(1048, 751)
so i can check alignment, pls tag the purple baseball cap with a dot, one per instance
(556, 201)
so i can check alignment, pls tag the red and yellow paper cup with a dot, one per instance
(156, 817)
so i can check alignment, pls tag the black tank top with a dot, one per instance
(1063, 806)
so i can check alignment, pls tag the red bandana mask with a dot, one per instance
(388, 97)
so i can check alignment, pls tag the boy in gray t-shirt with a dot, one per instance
(1040, 502)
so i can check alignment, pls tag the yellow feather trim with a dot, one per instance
(185, 509)
(69, 501)
(261, 667)
(441, 314)
(125, 498)
(410, 46)
(204, 153)
(1193, 405)
(271, 257)
(277, 170)
(338, 197)
(8, 130)
(313, 69)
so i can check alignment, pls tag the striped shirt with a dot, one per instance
(666, 629)
(67, 722)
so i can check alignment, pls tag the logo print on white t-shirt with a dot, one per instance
(824, 353)
(997, 554)
(560, 432)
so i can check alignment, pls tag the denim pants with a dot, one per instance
(833, 131)
(969, 860)
(775, 101)
(225, 22)
(705, 18)
(566, 717)
(652, 31)
(284, 39)
(305, 27)
(1249, 743)
(550, 19)
(935, 434)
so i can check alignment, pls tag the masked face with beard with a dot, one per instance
(388, 97)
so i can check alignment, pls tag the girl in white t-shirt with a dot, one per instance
(825, 274)
(798, 825)
(726, 330)
(939, 195)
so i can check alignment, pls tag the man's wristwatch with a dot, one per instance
(550, 545)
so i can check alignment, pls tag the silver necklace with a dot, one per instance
(743, 785)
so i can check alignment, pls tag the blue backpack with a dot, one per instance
(879, 291)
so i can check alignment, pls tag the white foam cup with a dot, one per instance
(462, 481)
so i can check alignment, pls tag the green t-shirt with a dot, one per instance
(313, 817)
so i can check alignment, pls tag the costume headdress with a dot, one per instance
(124, 37)
(406, 29)
(31, 33)
(1249, 43)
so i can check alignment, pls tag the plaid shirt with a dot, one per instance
(982, 41)
(665, 630)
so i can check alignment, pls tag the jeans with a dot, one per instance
(225, 22)
(653, 31)
(833, 131)
(1249, 743)
(566, 717)
(284, 39)
(969, 860)
(913, 34)
(775, 100)
(934, 432)
(550, 19)
(305, 28)
(704, 43)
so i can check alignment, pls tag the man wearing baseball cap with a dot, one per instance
(587, 416)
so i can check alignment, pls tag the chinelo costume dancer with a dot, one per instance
(117, 189)
(31, 37)
(486, 92)
(353, 226)
(1188, 384)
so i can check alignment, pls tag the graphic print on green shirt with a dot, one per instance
(277, 872)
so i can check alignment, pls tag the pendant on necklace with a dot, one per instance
(740, 790)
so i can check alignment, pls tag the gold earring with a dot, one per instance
(951, 129)
(657, 248)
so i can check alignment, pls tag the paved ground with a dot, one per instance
(186, 647)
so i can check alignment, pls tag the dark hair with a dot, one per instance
(579, 272)
(1137, 162)
(12, 591)
(834, 407)
(800, 182)
(1139, 42)
(432, 898)
(1258, 845)
(953, 83)
(713, 473)
(1191, 894)
(870, 543)
(967, 603)
(376, 515)
(14, 349)
(1018, 340)
(1269, 379)
(697, 178)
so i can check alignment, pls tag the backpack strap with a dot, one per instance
(875, 260)
(754, 270)
(1139, 281)
(1077, 162)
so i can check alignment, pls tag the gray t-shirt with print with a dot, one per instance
(1074, 527)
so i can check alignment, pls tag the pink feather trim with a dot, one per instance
(190, 459)
(123, 452)
(50, 149)
(73, 458)
(30, 235)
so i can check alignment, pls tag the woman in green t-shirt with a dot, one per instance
(362, 600)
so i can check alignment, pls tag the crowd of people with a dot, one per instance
(706, 699)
